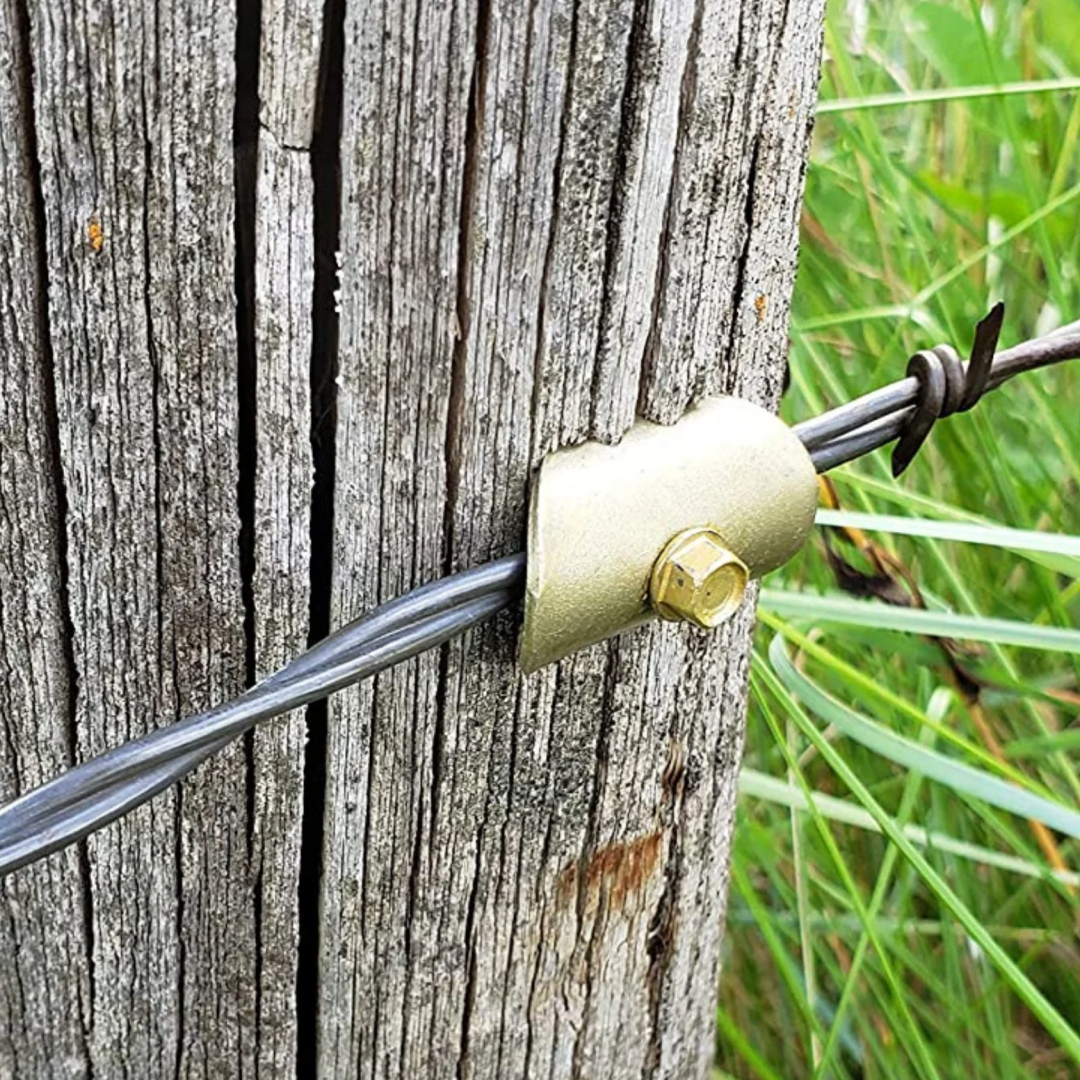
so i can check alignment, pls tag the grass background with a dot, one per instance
(851, 953)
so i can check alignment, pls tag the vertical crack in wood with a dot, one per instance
(687, 98)
(462, 1068)
(155, 369)
(326, 182)
(470, 970)
(512, 773)
(412, 892)
(660, 937)
(660, 941)
(159, 558)
(17, 967)
(474, 128)
(740, 270)
(748, 225)
(245, 147)
(474, 133)
(534, 979)
(590, 848)
(245, 169)
(630, 119)
(537, 447)
(384, 426)
(451, 442)
(411, 898)
(24, 64)
(181, 946)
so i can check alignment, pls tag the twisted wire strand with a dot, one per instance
(92, 794)
(89, 796)
(364, 641)
(857, 427)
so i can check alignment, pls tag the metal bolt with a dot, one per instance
(697, 579)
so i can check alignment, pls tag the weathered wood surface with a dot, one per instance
(552, 217)
(134, 115)
(44, 976)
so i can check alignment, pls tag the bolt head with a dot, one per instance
(697, 579)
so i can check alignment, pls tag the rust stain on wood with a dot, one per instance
(616, 871)
(95, 233)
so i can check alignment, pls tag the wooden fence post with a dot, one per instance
(460, 236)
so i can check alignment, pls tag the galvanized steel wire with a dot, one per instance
(845, 433)
(104, 788)
(96, 792)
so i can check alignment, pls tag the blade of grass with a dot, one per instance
(912, 755)
(1040, 744)
(823, 1059)
(794, 980)
(1032, 221)
(945, 93)
(858, 315)
(866, 915)
(891, 924)
(1059, 553)
(877, 898)
(864, 683)
(889, 490)
(871, 613)
(802, 908)
(1035, 197)
(1065, 770)
(1054, 1023)
(759, 785)
(744, 1048)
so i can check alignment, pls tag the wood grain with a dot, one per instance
(553, 219)
(134, 111)
(44, 984)
(551, 222)
(284, 270)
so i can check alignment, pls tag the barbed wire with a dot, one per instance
(90, 795)
(869, 422)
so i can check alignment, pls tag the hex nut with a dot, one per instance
(697, 579)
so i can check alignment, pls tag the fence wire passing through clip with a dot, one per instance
(89, 796)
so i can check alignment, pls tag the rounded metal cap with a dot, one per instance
(601, 515)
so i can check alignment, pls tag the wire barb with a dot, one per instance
(946, 385)
(854, 429)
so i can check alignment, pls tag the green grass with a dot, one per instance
(893, 911)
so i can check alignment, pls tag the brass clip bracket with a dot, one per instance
(672, 521)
